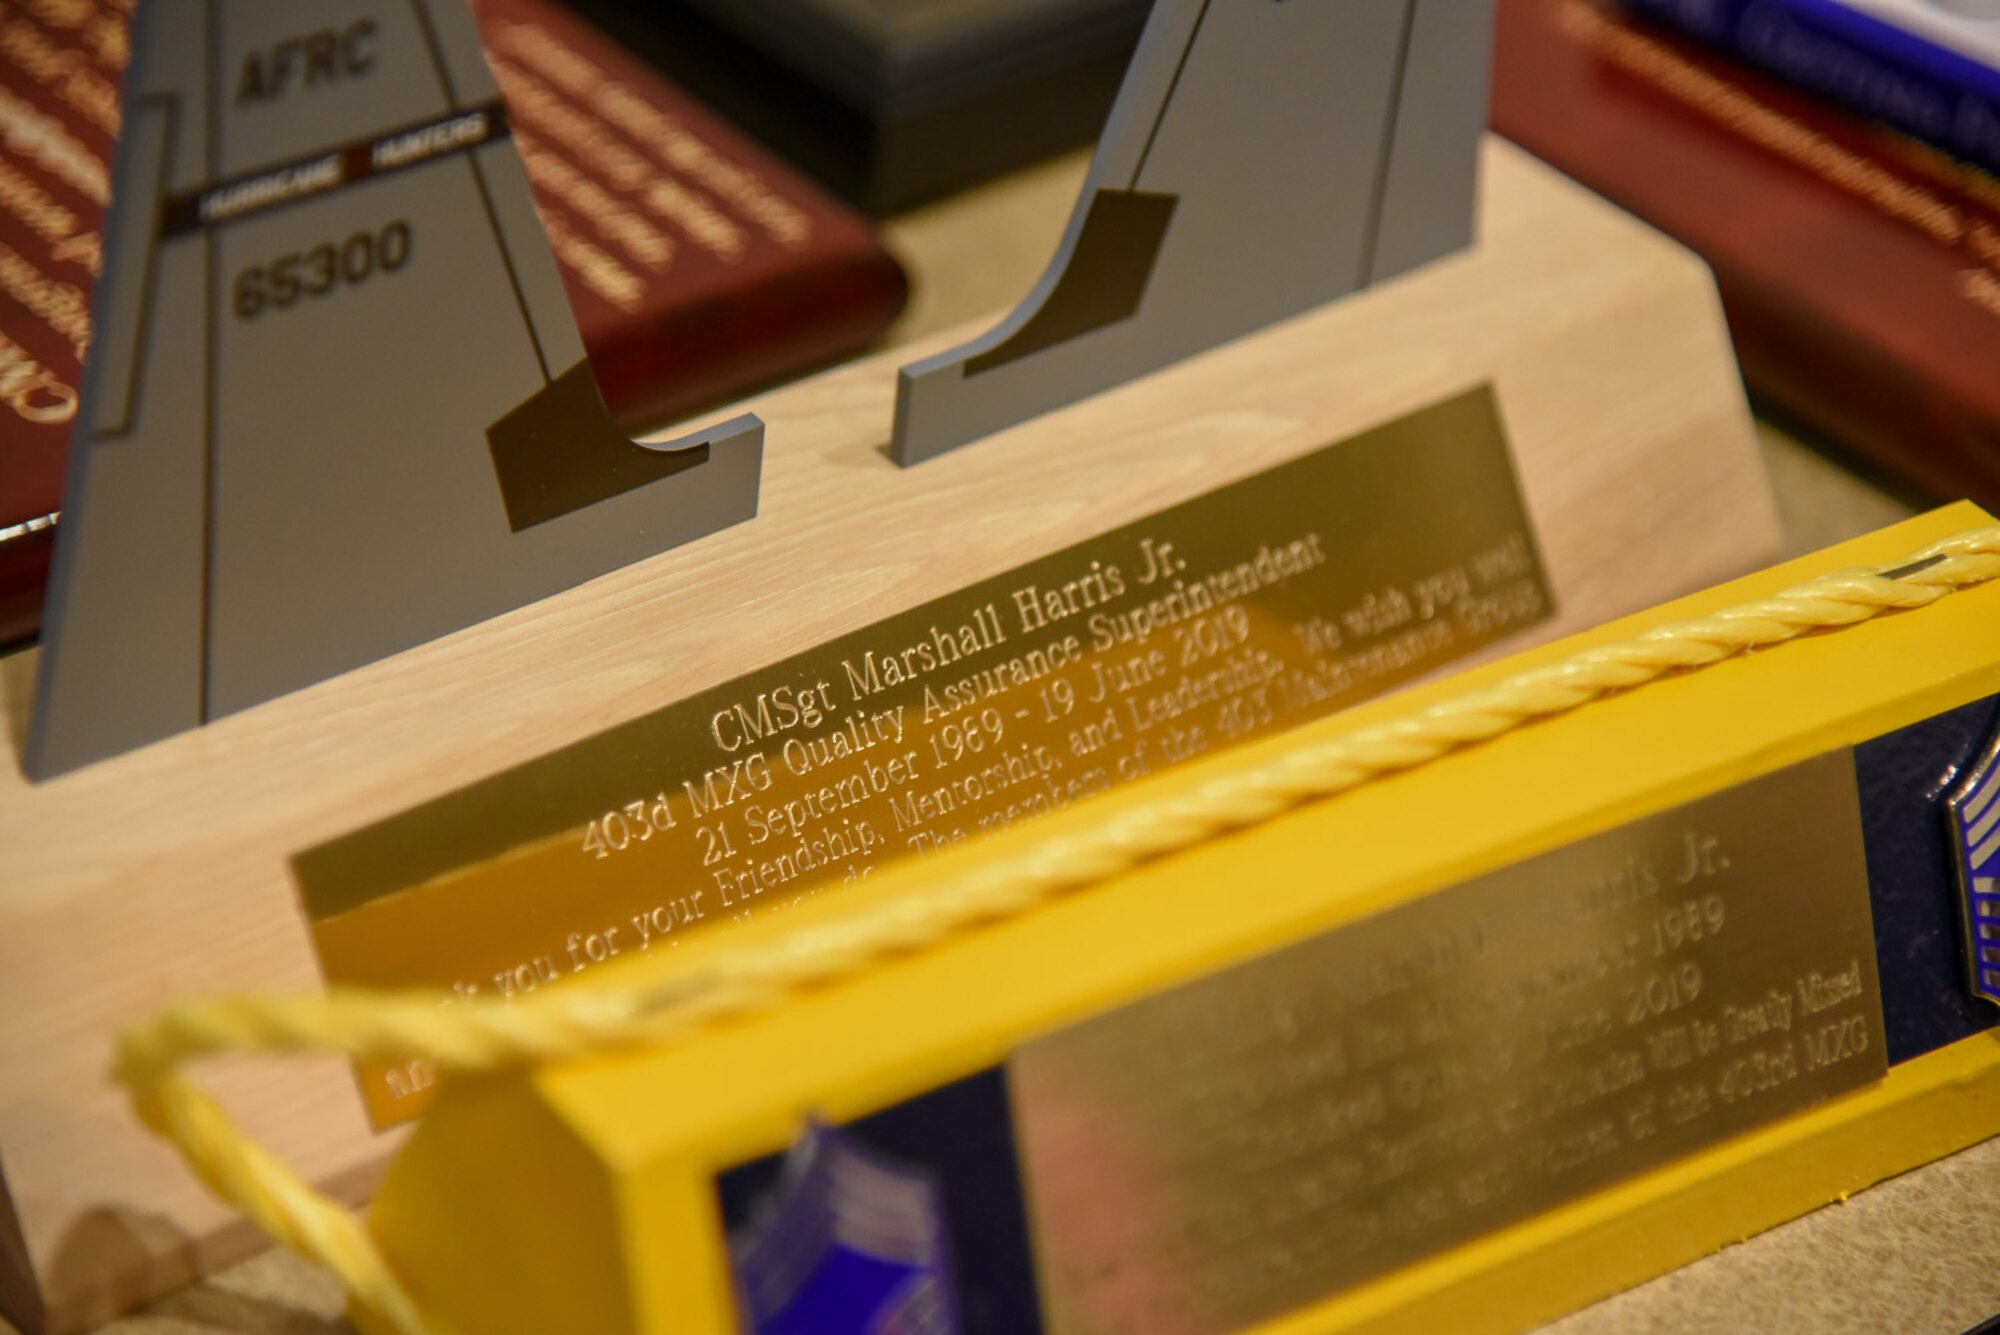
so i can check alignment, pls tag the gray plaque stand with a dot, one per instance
(336, 405)
(1263, 157)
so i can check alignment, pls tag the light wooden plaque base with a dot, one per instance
(163, 872)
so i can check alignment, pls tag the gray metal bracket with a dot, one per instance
(336, 405)
(1263, 157)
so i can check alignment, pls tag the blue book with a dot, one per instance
(1930, 68)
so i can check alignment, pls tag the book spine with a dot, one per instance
(1861, 62)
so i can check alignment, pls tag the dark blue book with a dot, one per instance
(1930, 68)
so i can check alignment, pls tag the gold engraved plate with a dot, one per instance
(1263, 604)
(1222, 1153)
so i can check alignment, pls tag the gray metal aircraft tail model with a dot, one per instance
(1263, 157)
(336, 405)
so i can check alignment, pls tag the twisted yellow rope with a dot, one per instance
(487, 1035)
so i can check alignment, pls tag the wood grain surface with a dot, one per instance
(163, 873)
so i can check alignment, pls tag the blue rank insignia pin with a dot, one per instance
(1973, 809)
(851, 1242)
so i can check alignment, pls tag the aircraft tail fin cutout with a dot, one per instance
(337, 405)
(1222, 199)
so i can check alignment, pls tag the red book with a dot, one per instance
(1860, 270)
(60, 70)
(699, 267)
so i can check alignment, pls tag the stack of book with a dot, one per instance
(1859, 266)
(1930, 68)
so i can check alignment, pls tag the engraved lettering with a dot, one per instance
(1342, 1106)
(320, 270)
(330, 55)
(1701, 855)
(1818, 992)
(1022, 695)
(1159, 559)
(1836, 1042)
(770, 713)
